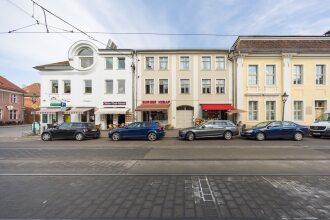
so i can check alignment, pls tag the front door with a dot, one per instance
(62, 132)
(274, 130)
(319, 108)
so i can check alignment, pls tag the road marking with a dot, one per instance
(162, 174)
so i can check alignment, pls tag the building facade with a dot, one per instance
(94, 85)
(11, 103)
(267, 67)
(31, 103)
(176, 87)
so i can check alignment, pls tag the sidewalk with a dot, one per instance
(172, 133)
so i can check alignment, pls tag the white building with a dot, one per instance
(95, 85)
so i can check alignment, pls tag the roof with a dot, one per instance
(282, 44)
(63, 65)
(32, 89)
(6, 84)
(182, 50)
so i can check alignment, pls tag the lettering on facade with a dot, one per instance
(156, 102)
(114, 103)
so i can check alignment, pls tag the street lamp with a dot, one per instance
(284, 99)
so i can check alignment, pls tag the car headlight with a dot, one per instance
(249, 131)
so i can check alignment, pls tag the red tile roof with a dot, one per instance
(33, 88)
(6, 84)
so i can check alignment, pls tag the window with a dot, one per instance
(206, 63)
(65, 126)
(320, 75)
(13, 98)
(121, 63)
(298, 110)
(270, 110)
(149, 86)
(287, 124)
(44, 118)
(253, 110)
(220, 86)
(67, 86)
(163, 63)
(270, 75)
(121, 86)
(163, 86)
(88, 86)
(108, 86)
(184, 86)
(206, 86)
(276, 124)
(184, 63)
(54, 86)
(86, 57)
(109, 63)
(253, 75)
(13, 114)
(220, 63)
(150, 62)
(298, 74)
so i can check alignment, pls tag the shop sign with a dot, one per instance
(156, 102)
(114, 103)
(55, 104)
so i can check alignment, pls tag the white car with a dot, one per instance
(321, 127)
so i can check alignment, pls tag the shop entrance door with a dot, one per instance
(67, 118)
(121, 119)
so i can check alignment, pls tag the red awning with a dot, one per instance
(152, 107)
(218, 107)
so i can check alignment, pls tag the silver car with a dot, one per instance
(212, 128)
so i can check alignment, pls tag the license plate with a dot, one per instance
(94, 129)
(317, 133)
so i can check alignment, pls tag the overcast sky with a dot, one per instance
(20, 52)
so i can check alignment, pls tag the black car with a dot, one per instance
(73, 130)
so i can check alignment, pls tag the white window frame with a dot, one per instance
(120, 58)
(303, 109)
(51, 86)
(189, 87)
(275, 113)
(224, 87)
(188, 63)
(224, 63)
(167, 64)
(13, 98)
(324, 74)
(121, 93)
(105, 63)
(64, 80)
(210, 87)
(13, 113)
(168, 87)
(302, 73)
(84, 92)
(257, 111)
(274, 76)
(145, 63)
(248, 75)
(105, 84)
(145, 87)
(202, 63)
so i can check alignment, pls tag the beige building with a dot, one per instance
(266, 67)
(175, 87)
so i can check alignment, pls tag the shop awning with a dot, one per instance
(217, 107)
(152, 107)
(235, 111)
(48, 110)
(112, 111)
(78, 110)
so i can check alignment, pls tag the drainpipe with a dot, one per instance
(133, 69)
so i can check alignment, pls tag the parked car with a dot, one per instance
(276, 130)
(212, 128)
(321, 127)
(73, 130)
(138, 130)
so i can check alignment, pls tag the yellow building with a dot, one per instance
(266, 67)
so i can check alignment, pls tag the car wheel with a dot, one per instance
(79, 137)
(298, 136)
(152, 136)
(46, 137)
(228, 135)
(115, 136)
(190, 136)
(260, 136)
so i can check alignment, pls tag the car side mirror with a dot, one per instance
(203, 126)
(269, 127)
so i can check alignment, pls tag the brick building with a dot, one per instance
(11, 103)
(31, 90)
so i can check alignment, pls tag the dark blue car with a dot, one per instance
(276, 130)
(138, 130)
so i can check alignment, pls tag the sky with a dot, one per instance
(19, 53)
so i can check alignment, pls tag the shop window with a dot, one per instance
(44, 118)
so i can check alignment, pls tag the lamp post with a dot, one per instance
(34, 100)
(284, 99)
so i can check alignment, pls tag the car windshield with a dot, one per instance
(91, 125)
(261, 125)
(324, 117)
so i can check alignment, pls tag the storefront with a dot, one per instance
(154, 111)
(108, 118)
(216, 111)
(79, 114)
(50, 117)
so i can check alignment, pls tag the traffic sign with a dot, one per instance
(34, 106)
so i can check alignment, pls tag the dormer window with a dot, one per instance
(85, 55)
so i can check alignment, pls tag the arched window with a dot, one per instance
(85, 55)
(184, 107)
